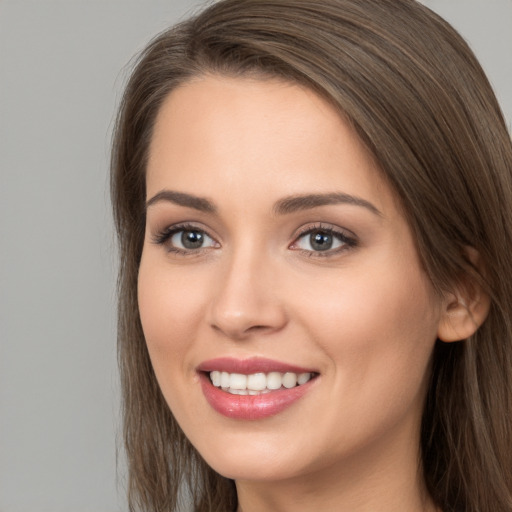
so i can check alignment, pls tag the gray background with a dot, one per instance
(62, 67)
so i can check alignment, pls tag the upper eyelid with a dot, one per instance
(348, 238)
(323, 226)
(160, 236)
(164, 236)
(182, 226)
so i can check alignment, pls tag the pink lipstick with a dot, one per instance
(255, 388)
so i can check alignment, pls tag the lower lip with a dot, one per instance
(251, 407)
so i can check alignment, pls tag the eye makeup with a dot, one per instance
(317, 240)
(324, 240)
(192, 239)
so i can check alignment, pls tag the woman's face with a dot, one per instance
(275, 256)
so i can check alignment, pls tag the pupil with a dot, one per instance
(321, 241)
(192, 239)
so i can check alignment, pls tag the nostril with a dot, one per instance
(258, 328)
(242, 332)
(239, 318)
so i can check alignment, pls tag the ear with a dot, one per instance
(465, 309)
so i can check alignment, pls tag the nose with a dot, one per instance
(247, 300)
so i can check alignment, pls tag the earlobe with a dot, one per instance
(465, 310)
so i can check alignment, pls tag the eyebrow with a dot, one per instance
(181, 199)
(305, 202)
(284, 206)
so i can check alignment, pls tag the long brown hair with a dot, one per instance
(421, 103)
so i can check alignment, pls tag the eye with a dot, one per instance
(184, 239)
(190, 239)
(325, 240)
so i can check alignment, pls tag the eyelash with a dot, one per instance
(166, 234)
(348, 241)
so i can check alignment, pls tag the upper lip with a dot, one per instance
(249, 366)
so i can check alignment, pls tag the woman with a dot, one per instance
(313, 207)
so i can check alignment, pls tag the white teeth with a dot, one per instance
(224, 379)
(237, 391)
(274, 380)
(303, 378)
(215, 376)
(238, 381)
(289, 380)
(257, 383)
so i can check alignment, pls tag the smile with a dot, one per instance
(255, 388)
(257, 383)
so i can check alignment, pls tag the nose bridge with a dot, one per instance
(246, 301)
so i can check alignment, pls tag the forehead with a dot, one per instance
(268, 136)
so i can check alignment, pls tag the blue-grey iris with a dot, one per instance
(320, 241)
(192, 239)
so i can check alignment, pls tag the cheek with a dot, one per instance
(378, 330)
(170, 307)
(371, 302)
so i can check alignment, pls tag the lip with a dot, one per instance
(250, 365)
(251, 407)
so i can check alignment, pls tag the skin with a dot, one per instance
(364, 316)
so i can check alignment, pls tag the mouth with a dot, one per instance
(259, 383)
(254, 388)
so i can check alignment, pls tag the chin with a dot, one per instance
(254, 456)
(255, 469)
